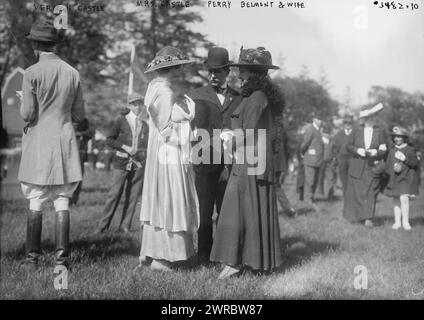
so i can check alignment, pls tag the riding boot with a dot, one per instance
(33, 237)
(62, 237)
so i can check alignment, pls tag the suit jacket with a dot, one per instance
(329, 149)
(210, 114)
(358, 164)
(312, 147)
(52, 100)
(340, 141)
(120, 134)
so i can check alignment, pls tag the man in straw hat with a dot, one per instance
(128, 136)
(343, 156)
(214, 105)
(50, 166)
(367, 144)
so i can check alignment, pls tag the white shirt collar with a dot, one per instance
(315, 126)
(401, 146)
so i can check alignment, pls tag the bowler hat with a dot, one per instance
(133, 97)
(259, 58)
(399, 132)
(167, 57)
(217, 58)
(43, 30)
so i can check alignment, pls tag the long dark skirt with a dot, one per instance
(361, 197)
(248, 232)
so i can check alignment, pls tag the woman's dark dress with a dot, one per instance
(404, 182)
(363, 185)
(248, 232)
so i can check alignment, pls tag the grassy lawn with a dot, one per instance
(321, 251)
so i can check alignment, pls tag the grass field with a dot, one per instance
(321, 251)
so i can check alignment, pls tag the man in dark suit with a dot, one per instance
(214, 105)
(343, 156)
(281, 158)
(312, 149)
(327, 177)
(128, 136)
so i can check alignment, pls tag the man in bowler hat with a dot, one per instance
(214, 105)
(128, 136)
(50, 165)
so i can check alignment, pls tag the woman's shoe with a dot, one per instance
(227, 272)
(160, 266)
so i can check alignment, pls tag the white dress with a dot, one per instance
(169, 205)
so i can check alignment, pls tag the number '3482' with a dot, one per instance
(396, 5)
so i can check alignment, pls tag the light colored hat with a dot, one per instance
(369, 111)
(168, 57)
(133, 97)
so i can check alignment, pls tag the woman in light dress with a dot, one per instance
(169, 205)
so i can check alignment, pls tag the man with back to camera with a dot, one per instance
(50, 166)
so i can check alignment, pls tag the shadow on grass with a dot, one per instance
(382, 220)
(89, 248)
(304, 211)
(417, 221)
(296, 250)
(329, 199)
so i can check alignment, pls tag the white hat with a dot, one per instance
(369, 111)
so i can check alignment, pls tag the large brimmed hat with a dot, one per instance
(217, 58)
(258, 58)
(167, 57)
(370, 111)
(399, 132)
(43, 30)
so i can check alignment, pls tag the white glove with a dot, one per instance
(400, 156)
(372, 152)
(190, 103)
(361, 152)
